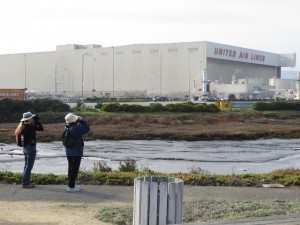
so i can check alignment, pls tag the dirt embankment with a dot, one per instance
(190, 127)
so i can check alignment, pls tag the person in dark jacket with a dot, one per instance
(27, 128)
(77, 128)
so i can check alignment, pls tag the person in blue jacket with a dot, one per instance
(77, 128)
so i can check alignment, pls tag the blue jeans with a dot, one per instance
(30, 154)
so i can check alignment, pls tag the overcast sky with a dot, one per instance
(40, 25)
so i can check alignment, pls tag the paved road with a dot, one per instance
(95, 193)
(99, 194)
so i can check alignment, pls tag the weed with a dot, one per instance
(128, 165)
(210, 210)
(120, 215)
(101, 167)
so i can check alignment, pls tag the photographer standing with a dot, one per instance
(76, 127)
(27, 131)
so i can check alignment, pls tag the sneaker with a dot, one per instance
(28, 186)
(74, 189)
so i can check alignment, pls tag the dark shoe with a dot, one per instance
(28, 186)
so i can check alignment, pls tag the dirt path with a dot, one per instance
(49, 213)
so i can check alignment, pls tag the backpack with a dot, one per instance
(67, 140)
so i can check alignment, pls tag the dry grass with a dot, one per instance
(222, 126)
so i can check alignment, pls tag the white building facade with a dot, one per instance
(141, 70)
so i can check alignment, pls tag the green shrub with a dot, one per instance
(80, 106)
(271, 114)
(286, 177)
(277, 105)
(98, 105)
(112, 107)
(128, 165)
(180, 107)
(133, 108)
(156, 107)
(9, 109)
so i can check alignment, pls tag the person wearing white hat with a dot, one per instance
(76, 127)
(27, 129)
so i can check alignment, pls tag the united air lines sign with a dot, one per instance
(227, 52)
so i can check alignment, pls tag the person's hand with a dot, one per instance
(36, 118)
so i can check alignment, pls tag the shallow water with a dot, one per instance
(222, 157)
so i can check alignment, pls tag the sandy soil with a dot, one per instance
(49, 213)
(175, 127)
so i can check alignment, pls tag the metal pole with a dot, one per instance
(25, 72)
(160, 85)
(113, 62)
(55, 78)
(82, 68)
(189, 76)
(94, 74)
(94, 59)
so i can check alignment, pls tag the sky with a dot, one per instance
(40, 25)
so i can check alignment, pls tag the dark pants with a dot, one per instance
(30, 154)
(73, 169)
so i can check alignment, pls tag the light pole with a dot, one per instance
(55, 78)
(160, 84)
(25, 72)
(189, 98)
(113, 70)
(82, 68)
(94, 59)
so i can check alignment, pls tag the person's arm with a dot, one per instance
(80, 129)
(38, 125)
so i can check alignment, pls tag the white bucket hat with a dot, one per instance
(71, 118)
(27, 116)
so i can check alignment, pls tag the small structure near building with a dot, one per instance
(15, 94)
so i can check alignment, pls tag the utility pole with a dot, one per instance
(113, 70)
(160, 84)
(94, 59)
(55, 78)
(189, 98)
(25, 71)
(82, 69)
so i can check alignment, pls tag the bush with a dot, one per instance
(287, 177)
(101, 167)
(98, 105)
(128, 165)
(277, 105)
(156, 107)
(80, 106)
(10, 108)
(113, 107)
(133, 108)
(181, 107)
